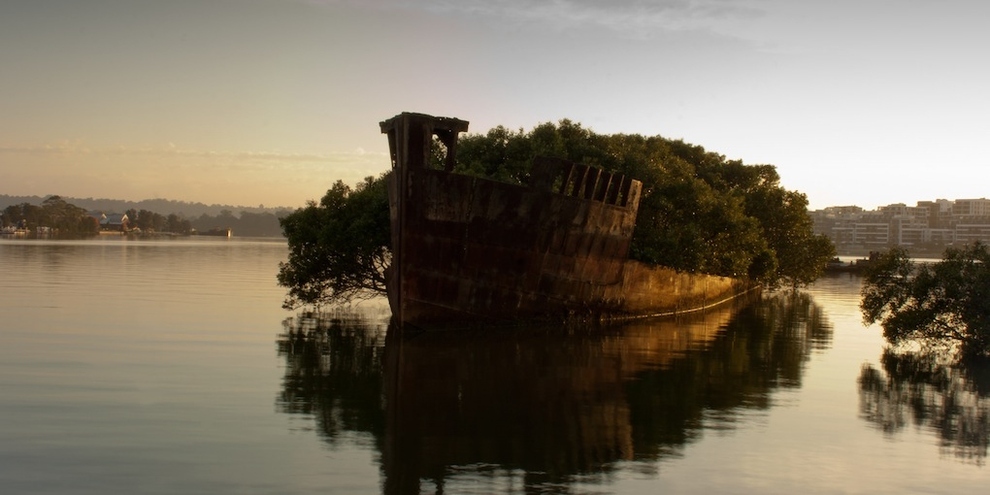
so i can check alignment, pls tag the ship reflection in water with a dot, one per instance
(542, 408)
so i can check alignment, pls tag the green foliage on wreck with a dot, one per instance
(338, 248)
(699, 212)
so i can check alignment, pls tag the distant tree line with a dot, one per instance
(149, 221)
(53, 213)
(65, 218)
(699, 212)
(246, 224)
(184, 209)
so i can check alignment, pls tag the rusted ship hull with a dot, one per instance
(472, 250)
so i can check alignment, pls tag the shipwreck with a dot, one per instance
(470, 250)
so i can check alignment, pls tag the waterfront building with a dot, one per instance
(928, 227)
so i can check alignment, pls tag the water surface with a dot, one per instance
(170, 367)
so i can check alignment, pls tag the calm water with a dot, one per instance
(168, 367)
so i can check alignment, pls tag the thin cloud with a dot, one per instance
(640, 18)
(621, 15)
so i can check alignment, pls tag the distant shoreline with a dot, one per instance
(163, 206)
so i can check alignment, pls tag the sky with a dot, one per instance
(269, 102)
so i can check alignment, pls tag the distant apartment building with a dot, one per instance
(971, 207)
(929, 226)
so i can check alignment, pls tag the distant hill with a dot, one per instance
(163, 206)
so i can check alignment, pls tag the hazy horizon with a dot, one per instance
(271, 101)
(215, 205)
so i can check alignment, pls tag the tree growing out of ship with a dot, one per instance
(938, 305)
(699, 212)
(339, 248)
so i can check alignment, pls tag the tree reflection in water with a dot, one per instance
(934, 392)
(334, 371)
(539, 409)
